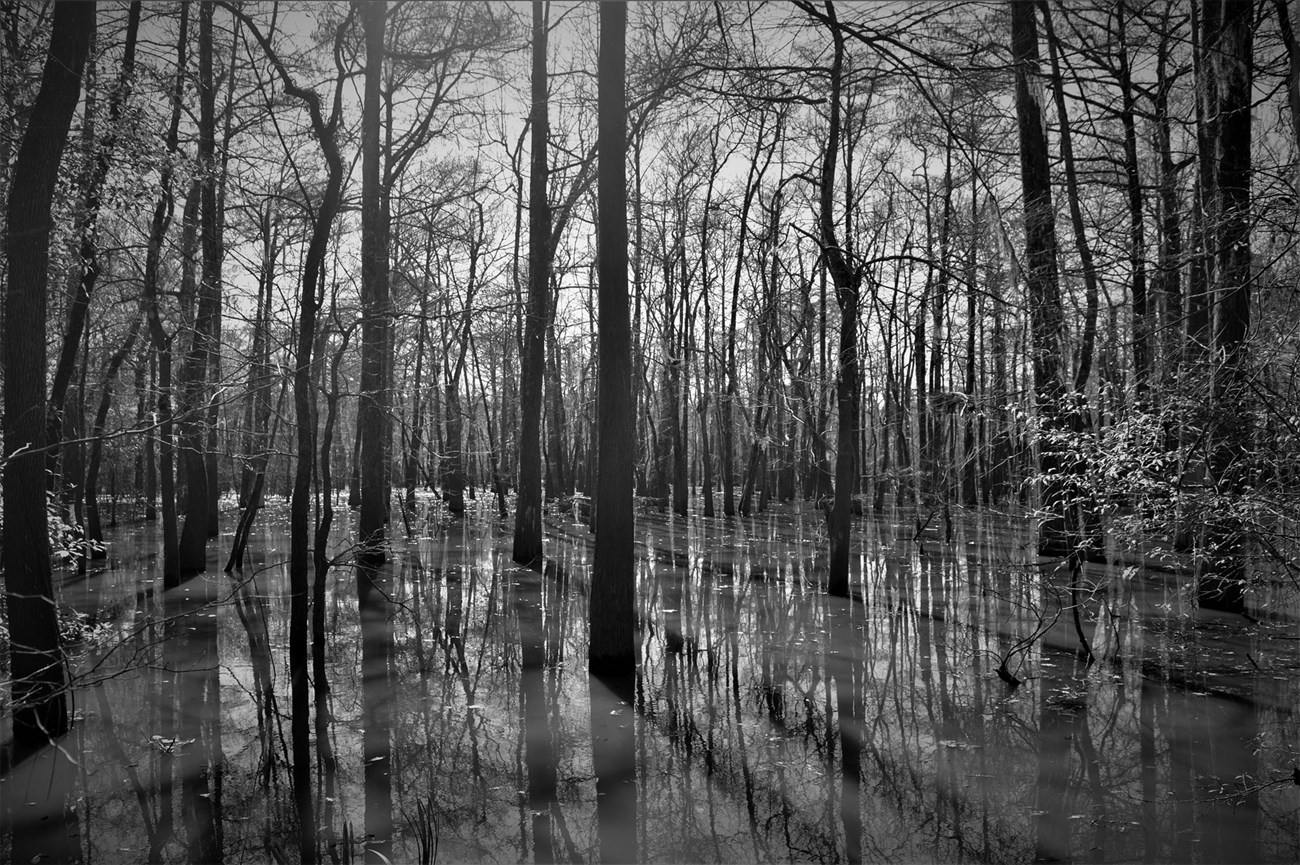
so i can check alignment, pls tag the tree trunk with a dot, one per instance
(94, 531)
(88, 271)
(727, 408)
(35, 658)
(1084, 368)
(612, 647)
(846, 281)
(682, 418)
(560, 473)
(528, 511)
(320, 547)
(453, 476)
(304, 399)
(1223, 583)
(415, 440)
(257, 411)
(970, 453)
(146, 379)
(1137, 234)
(1202, 273)
(373, 423)
(1041, 278)
(1293, 64)
(1168, 278)
(194, 371)
(494, 452)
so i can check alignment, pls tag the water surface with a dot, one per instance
(767, 722)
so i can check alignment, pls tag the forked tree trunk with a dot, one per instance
(839, 517)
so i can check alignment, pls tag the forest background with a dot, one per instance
(903, 258)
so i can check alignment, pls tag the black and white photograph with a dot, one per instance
(666, 431)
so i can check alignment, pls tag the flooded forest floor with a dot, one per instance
(768, 721)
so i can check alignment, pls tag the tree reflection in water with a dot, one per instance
(767, 722)
(376, 709)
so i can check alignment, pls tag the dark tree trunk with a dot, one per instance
(1137, 234)
(706, 364)
(146, 379)
(194, 371)
(415, 440)
(612, 647)
(453, 477)
(39, 703)
(560, 475)
(304, 400)
(373, 423)
(94, 531)
(1041, 277)
(214, 250)
(456, 470)
(320, 549)
(970, 453)
(1202, 272)
(1168, 279)
(682, 416)
(1084, 368)
(257, 413)
(1293, 64)
(846, 280)
(727, 407)
(256, 490)
(354, 476)
(88, 271)
(1223, 583)
(494, 452)
(528, 511)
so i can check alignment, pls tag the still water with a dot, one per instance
(768, 722)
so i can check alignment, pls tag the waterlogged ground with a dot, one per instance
(768, 721)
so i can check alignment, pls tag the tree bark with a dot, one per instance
(88, 272)
(1042, 283)
(1137, 234)
(559, 473)
(94, 529)
(194, 371)
(846, 280)
(1088, 342)
(612, 647)
(1168, 278)
(1223, 584)
(373, 422)
(1293, 64)
(528, 510)
(35, 657)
